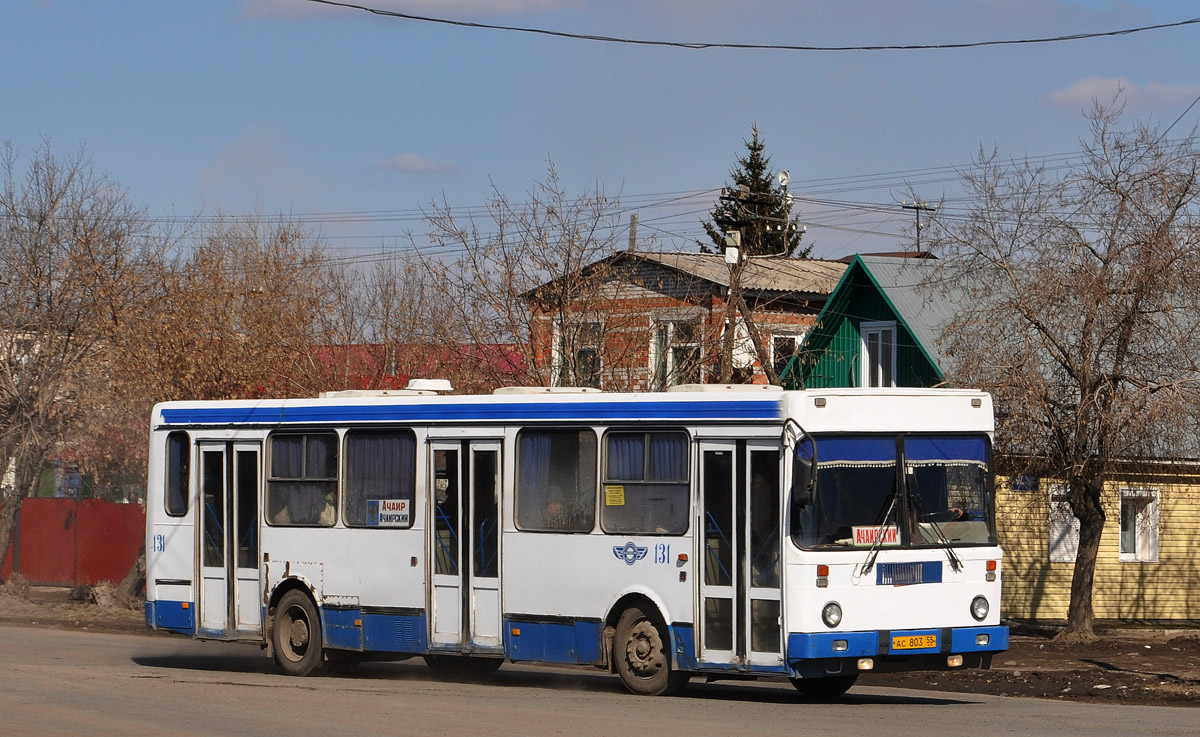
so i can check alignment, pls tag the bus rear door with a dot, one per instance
(229, 601)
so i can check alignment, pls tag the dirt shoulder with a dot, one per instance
(1133, 666)
(1126, 666)
(98, 609)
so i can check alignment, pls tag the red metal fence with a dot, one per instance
(75, 542)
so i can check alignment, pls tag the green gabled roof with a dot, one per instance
(923, 311)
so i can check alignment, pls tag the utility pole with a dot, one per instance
(733, 222)
(918, 208)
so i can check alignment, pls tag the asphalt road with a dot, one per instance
(58, 682)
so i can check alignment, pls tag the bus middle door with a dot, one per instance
(464, 600)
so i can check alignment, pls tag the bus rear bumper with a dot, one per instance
(813, 655)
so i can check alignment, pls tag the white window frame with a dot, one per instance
(865, 331)
(798, 337)
(1063, 536)
(662, 350)
(1144, 501)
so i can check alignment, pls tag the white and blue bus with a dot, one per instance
(719, 531)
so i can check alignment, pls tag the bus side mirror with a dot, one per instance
(802, 482)
(804, 474)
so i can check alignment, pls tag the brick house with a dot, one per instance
(645, 321)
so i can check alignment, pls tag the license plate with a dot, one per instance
(914, 642)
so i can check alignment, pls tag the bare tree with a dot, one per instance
(536, 268)
(1082, 297)
(239, 314)
(72, 254)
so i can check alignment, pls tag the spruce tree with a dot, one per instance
(756, 205)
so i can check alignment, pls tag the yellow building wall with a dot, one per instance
(1169, 589)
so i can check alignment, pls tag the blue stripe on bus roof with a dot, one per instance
(708, 410)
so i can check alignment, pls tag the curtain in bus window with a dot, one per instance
(287, 456)
(856, 485)
(626, 457)
(381, 469)
(533, 453)
(321, 452)
(668, 456)
(947, 488)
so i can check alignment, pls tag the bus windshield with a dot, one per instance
(896, 491)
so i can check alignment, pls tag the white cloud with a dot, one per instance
(256, 168)
(1147, 97)
(414, 164)
(288, 9)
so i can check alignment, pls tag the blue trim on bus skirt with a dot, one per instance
(172, 616)
(375, 631)
(665, 411)
(554, 640)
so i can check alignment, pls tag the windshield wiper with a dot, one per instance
(942, 540)
(873, 553)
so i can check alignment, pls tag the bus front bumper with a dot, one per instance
(814, 655)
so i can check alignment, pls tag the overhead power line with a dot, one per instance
(694, 45)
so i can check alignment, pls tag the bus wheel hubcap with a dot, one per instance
(644, 650)
(298, 633)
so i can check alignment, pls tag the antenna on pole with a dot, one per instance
(918, 207)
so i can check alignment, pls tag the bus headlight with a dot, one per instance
(831, 615)
(979, 608)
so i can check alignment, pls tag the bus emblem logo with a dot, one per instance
(630, 553)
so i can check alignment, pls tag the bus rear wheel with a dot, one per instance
(642, 658)
(296, 635)
(824, 689)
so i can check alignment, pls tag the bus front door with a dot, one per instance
(740, 602)
(464, 606)
(229, 600)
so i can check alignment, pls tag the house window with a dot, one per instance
(878, 353)
(1064, 527)
(676, 353)
(577, 354)
(1139, 525)
(783, 348)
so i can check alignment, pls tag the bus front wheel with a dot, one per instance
(824, 689)
(296, 635)
(642, 658)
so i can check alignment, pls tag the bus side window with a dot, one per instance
(556, 480)
(302, 485)
(381, 478)
(646, 483)
(179, 456)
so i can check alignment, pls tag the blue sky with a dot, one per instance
(356, 122)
